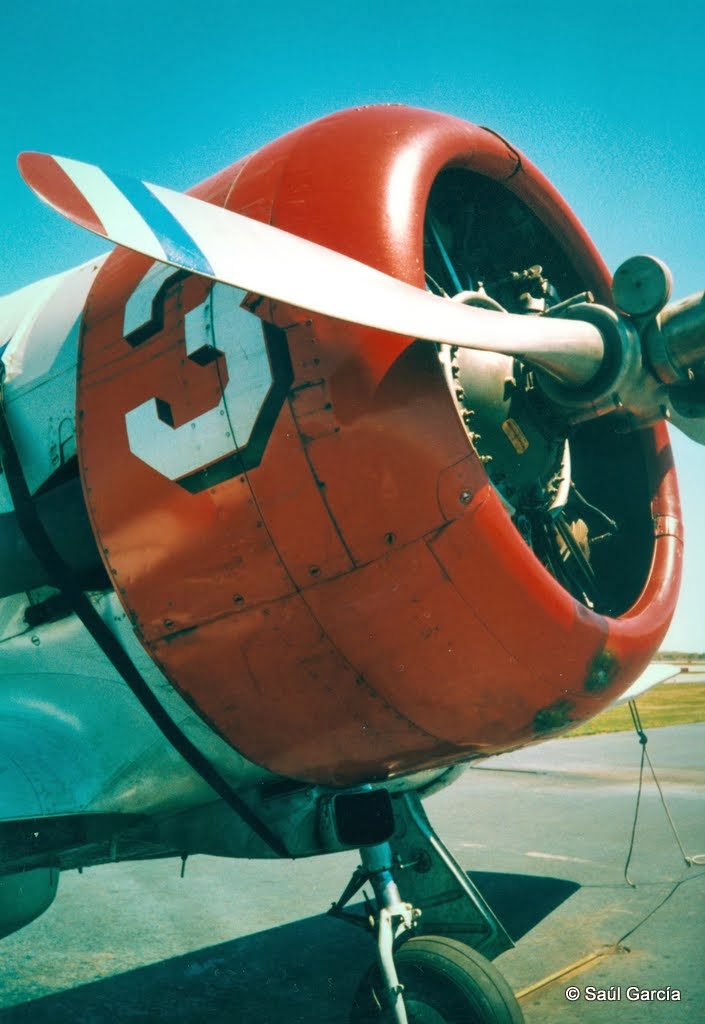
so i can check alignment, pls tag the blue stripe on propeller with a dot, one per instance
(176, 242)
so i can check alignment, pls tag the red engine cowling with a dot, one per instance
(342, 592)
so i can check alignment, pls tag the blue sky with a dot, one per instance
(607, 100)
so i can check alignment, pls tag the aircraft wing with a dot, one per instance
(655, 673)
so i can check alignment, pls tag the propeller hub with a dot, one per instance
(642, 286)
(621, 385)
(675, 342)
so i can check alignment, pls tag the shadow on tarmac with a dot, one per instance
(301, 973)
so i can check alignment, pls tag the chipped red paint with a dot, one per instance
(359, 604)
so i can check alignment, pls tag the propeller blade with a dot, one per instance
(196, 236)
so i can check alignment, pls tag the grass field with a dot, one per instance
(667, 704)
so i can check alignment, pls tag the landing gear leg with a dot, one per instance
(421, 978)
(391, 919)
(394, 920)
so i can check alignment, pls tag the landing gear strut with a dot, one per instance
(422, 978)
(391, 921)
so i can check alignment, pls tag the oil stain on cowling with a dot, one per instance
(601, 672)
(553, 718)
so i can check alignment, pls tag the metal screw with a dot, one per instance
(464, 497)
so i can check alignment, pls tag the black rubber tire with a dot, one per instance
(445, 982)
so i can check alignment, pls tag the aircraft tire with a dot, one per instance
(445, 982)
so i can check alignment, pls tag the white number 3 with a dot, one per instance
(199, 453)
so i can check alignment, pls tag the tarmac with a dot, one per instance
(545, 833)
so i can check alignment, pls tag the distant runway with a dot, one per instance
(248, 942)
